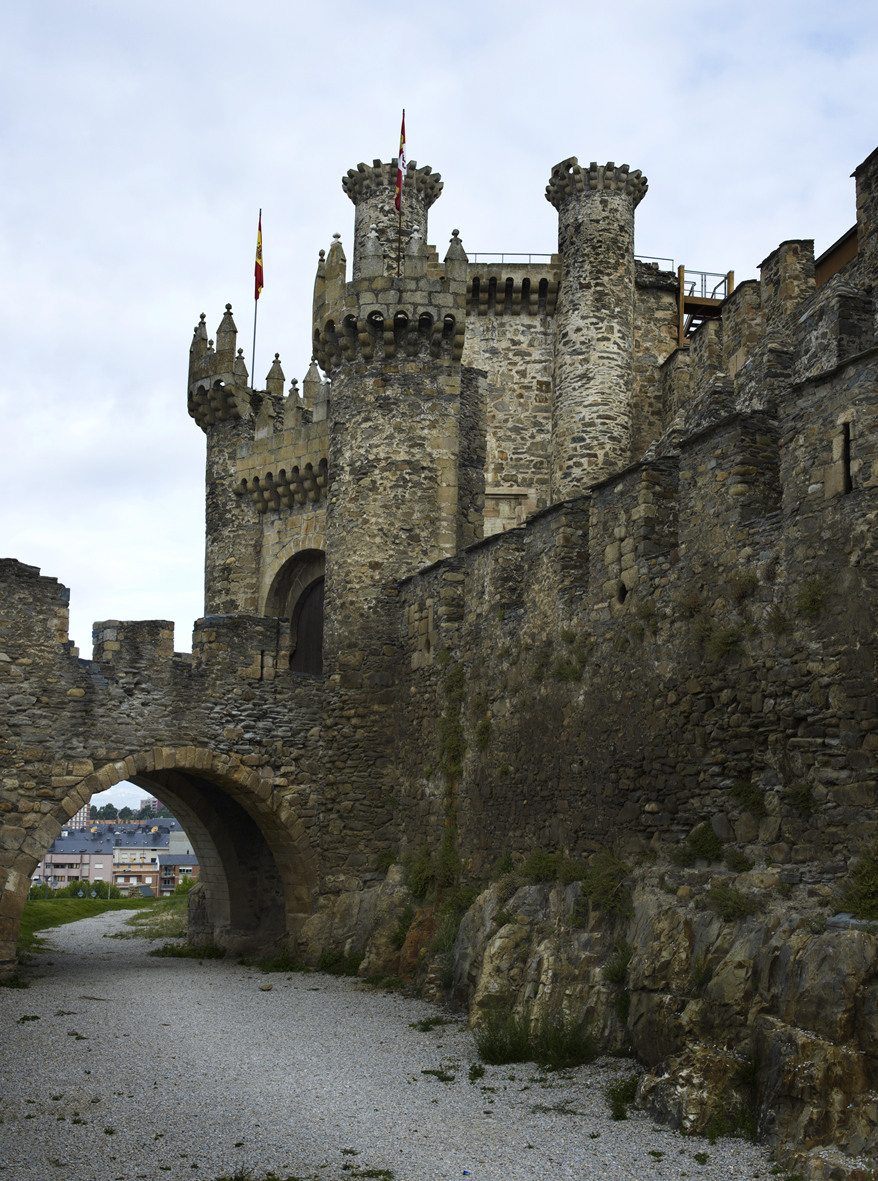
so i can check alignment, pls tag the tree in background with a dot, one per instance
(108, 812)
(125, 813)
(185, 884)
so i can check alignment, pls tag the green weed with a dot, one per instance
(700, 970)
(743, 584)
(384, 860)
(729, 903)
(336, 963)
(616, 969)
(189, 951)
(749, 796)
(476, 1071)
(621, 1096)
(737, 861)
(801, 797)
(604, 885)
(811, 598)
(861, 895)
(701, 844)
(722, 641)
(554, 1041)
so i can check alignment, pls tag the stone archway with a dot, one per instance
(258, 869)
(296, 594)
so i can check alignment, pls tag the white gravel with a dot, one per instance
(200, 1073)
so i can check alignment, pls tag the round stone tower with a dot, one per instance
(372, 188)
(594, 321)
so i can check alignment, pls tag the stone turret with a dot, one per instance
(372, 188)
(594, 321)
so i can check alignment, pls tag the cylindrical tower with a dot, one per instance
(594, 321)
(372, 188)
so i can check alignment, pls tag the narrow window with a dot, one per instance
(848, 484)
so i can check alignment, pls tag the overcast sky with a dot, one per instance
(139, 141)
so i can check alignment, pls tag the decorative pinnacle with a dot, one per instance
(336, 237)
(570, 177)
(202, 317)
(455, 234)
(322, 255)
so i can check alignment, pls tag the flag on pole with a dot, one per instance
(400, 167)
(259, 283)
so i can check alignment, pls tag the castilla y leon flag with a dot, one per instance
(259, 283)
(400, 167)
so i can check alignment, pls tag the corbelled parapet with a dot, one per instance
(286, 489)
(594, 321)
(378, 317)
(217, 375)
(569, 178)
(372, 188)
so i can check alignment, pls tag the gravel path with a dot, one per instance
(149, 1068)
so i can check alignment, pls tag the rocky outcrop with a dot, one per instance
(766, 1024)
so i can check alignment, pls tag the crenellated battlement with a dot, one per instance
(365, 178)
(512, 290)
(570, 177)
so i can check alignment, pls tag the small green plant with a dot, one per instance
(384, 860)
(476, 1071)
(646, 613)
(284, 961)
(568, 635)
(722, 641)
(428, 1024)
(189, 951)
(811, 598)
(743, 584)
(554, 1040)
(503, 770)
(542, 866)
(737, 861)
(700, 970)
(701, 844)
(503, 865)
(701, 1157)
(688, 603)
(860, 898)
(14, 981)
(801, 797)
(621, 1096)
(622, 1005)
(443, 1076)
(749, 796)
(336, 963)
(777, 621)
(729, 903)
(420, 872)
(443, 657)
(567, 671)
(616, 969)
(483, 734)
(604, 885)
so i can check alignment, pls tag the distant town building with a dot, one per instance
(173, 868)
(126, 855)
(152, 805)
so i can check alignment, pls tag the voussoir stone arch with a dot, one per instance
(203, 785)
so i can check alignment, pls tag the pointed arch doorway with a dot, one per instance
(296, 594)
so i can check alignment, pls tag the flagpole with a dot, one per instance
(400, 180)
(255, 313)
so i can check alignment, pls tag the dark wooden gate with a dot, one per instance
(308, 657)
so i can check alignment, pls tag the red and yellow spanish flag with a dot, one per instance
(400, 166)
(259, 283)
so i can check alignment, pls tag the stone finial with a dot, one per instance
(336, 260)
(371, 259)
(274, 382)
(240, 369)
(226, 338)
(415, 255)
(570, 177)
(311, 386)
(456, 260)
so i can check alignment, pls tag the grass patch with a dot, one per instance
(284, 961)
(403, 922)
(801, 797)
(748, 796)
(729, 903)
(737, 861)
(167, 918)
(743, 584)
(189, 951)
(861, 896)
(621, 1095)
(387, 858)
(604, 885)
(701, 844)
(616, 969)
(777, 621)
(700, 971)
(336, 963)
(15, 981)
(554, 1041)
(811, 598)
(443, 1075)
(42, 914)
(722, 641)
